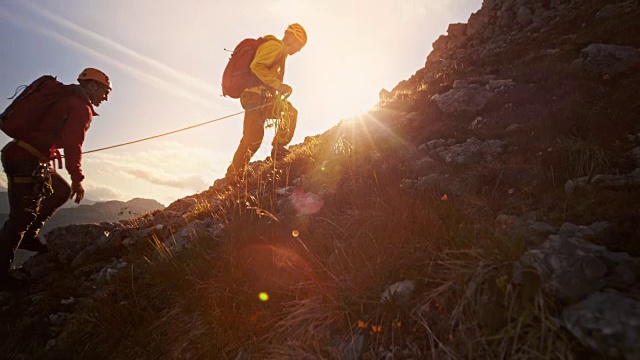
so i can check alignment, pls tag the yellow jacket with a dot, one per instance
(268, 64)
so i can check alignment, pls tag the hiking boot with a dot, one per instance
(33, 244)
(279, 152)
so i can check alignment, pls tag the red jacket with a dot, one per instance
(63, 127)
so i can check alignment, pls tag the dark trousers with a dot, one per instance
(253, 129)
(29, 210)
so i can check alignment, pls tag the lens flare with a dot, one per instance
(263, 296)
(295, 233)
(306, 203)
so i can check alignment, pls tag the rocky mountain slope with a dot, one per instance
(487, 209)
(93, 212)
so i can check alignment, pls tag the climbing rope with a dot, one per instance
(170, 132)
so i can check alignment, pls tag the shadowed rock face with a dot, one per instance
(584, 275)
(572, 268)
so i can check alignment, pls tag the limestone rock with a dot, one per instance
(608, 322)
(469, 99)
(607, 59)
(472, 151)
(399, 293)
(572, 268)
(355, 347)
(635, 153)
(67, 242)
(614, 10)
(457, 30)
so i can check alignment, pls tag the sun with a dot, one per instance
(348, 87)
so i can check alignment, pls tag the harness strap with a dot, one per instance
(20, 179)
(54, 154)
(33, 151)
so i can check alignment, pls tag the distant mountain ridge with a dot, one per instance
(113, 210)
(4, 202)
(95, 212)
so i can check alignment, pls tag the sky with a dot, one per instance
(165, 59)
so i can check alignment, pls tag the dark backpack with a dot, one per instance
(237, 75)
(26, 111)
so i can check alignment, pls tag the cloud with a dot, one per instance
(106, 42)
(193, 182)
(155, 80)
(173, 156)
(173, 165)
(97, 192)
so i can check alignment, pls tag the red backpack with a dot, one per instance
(237, 75)
(26, 111)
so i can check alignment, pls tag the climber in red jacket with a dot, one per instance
(35, 191)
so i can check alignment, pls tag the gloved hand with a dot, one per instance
(284, 89)
(78, 191)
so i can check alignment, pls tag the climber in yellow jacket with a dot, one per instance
(268, 66)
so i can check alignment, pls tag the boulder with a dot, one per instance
(635, 154)
(615, 10)
(608, 322)
(67, 242)
(607, 59)
(572, 268)
(399, 293)
(524, 15)
(457, 30)
(468, 99)
(384, 95)
(477, 21)
(355, 346)
(494, 85)
(472, 151)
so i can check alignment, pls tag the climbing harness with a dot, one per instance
(41, 180)
(280, 117)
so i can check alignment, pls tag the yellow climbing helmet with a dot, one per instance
(298, 31)
(95, 75)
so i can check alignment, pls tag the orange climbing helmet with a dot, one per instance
(298, 32)
(95, 75)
